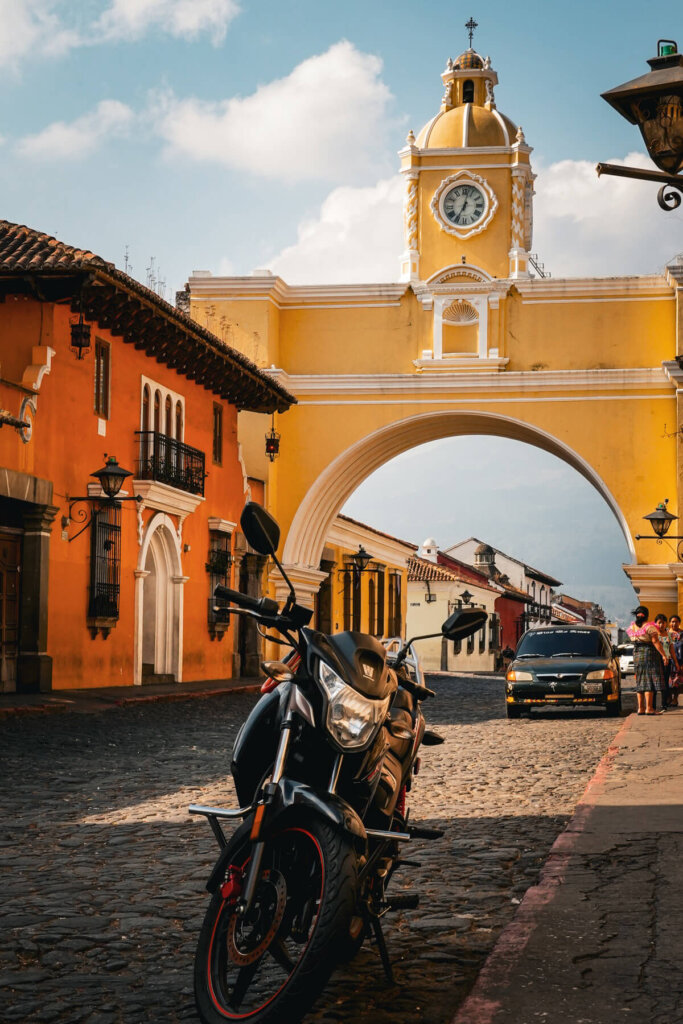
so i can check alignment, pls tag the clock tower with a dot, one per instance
(468, 184)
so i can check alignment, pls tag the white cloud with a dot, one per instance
(327, 119)
(583, 226)
(186, 19)
(40, 28)
(357, 236)
(31, 26)
(79, 138)
(590, 226)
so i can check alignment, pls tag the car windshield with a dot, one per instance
(554, 643)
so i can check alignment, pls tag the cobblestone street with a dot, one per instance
(103, 870)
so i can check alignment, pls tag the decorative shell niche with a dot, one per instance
(460, 328)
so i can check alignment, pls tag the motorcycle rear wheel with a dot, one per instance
(271, 966)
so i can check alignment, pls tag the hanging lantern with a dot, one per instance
(272, 442)
(80, 336)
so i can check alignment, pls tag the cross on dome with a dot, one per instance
(470, 26)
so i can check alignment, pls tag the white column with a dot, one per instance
(178, 609)
(438, 327)
(482, 306)
(140, 577)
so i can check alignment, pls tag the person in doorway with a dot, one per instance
(671, 665)
(648, 660)
(677, 647)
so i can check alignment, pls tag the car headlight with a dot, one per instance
(516, 676)
(352, 719)
(602, 673)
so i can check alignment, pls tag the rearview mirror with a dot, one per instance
(260, 529)
(463, 623)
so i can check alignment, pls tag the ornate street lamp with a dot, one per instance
(655, 103)
(111, 478)
(360, 560)
(466, 597)
(660, 520)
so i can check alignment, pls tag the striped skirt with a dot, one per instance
(648, 667)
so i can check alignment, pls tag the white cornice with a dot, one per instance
(452, 382)
(165, 498)
(673, 372)
(284, 296)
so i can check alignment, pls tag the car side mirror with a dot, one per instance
(260, 529)
(463, 623)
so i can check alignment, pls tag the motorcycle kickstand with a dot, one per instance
(382, 947)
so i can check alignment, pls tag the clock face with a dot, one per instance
(464, 205)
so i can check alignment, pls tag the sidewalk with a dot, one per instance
(101, 698)
(598, 940)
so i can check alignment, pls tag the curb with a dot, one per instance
(479, 1007)
(60, 707)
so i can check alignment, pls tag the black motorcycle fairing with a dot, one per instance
(256, 743)
(358, 658)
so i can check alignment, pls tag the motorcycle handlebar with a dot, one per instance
(262, 605)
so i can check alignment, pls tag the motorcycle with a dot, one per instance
(321, 768)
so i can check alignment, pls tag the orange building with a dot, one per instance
(94, 365)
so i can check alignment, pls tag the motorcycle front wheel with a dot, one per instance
(271, 965)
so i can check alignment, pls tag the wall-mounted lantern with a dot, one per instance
(111, 478)
(654, 102)
(660, 520)
(361, 559)
(272, 442)
(466, 597)
(80, 336)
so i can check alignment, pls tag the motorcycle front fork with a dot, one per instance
(253, 872)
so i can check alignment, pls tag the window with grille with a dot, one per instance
(470, 644)
(395, 620)
(105, 563)
(102, 378)
(372, 628)
(494, 632)
(347, 600)
(482, 639)
(379, 614)
(218, 568)
(217, 434)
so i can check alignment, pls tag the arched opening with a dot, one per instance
(468, 91)
(159, 605)
(325, 498)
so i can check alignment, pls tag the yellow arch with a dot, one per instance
(327, 495)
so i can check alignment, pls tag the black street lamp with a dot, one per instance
(655, 103)
(466, 597)
(660, 520)
(361, 560)
(111, 478)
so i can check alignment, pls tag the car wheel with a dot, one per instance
(512, 711)
(613, 709)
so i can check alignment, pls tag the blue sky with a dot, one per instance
(226, 135)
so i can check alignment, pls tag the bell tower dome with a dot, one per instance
(468, 182)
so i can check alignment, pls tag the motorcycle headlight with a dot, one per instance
(352, 719)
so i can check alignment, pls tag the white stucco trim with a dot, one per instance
(327, 495)
(169, 607)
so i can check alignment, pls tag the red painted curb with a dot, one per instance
(479, 1007)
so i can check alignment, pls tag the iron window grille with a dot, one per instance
(218, 566)
(170, 462)
(217, 434)
(105, 562)
(102, 373)
(482, 639)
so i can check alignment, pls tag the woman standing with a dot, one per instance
(671, 667)
(648, 660)
(677, 647)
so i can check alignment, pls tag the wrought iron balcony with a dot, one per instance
(170, 462)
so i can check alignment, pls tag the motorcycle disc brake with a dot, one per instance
(248, 938)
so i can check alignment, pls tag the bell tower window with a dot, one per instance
(468, 91)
